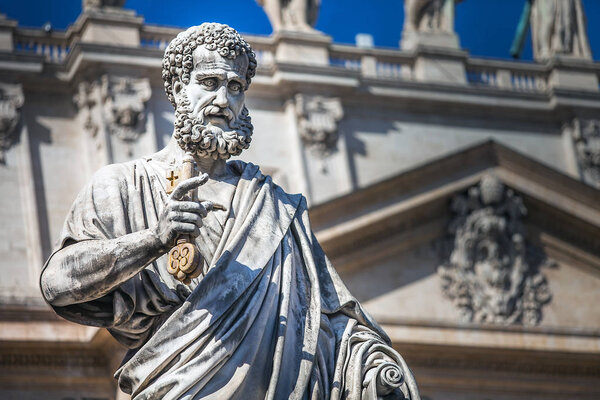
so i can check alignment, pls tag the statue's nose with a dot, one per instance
(221, 99)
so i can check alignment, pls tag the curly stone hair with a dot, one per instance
(178, 62)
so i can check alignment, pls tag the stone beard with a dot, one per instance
(196, 136)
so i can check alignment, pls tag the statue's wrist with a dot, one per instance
(156, 243)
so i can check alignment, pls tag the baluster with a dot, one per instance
(54, 53)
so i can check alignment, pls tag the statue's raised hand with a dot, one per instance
(180, 215)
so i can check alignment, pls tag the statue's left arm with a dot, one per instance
(373, 369)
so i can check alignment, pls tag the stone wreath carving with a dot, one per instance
(124, 105)
(11, 100)
(586, 137)
(492, 274)
(85, 102)
(318, 119)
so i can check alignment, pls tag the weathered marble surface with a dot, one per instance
(269, 317)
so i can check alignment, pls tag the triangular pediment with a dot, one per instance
(387, 241)
(556, 204)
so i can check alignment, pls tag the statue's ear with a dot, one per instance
(177, 90)
(177, 86)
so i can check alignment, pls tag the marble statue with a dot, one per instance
(429, 15)
(253, 308)
(558, 27)
(292, 15)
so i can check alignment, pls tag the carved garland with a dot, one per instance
(586, 138)
(11, 100)
(492, 274)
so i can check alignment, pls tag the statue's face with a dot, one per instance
(215, 81)
(210, 118)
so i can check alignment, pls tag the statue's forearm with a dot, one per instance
(90, 269)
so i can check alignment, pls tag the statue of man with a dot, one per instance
(557, 27)
(292, 15)
(267, 316)
(434, 16)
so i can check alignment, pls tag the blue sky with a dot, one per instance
(486, 27)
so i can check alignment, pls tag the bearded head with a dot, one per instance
(206, 70)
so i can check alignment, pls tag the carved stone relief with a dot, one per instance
(318, 119)
(492, 274)
(124, 100)
(586, 138)
(11, 100)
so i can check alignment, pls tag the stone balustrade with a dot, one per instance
(510, 75)
(375, 63)
(54, 46)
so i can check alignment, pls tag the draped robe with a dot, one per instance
(270, 318)
(559, 27)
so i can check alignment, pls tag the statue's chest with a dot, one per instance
(211, 233)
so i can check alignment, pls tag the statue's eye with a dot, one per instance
(235, 86)
(209, 83)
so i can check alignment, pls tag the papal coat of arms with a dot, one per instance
(492, 274)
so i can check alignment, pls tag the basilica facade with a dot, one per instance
(457, 197)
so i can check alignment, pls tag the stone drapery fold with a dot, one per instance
(270, 319)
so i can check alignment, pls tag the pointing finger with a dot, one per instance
(187, 185)
(208, 205)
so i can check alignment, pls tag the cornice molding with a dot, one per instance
(420, 196)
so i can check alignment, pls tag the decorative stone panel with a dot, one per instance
(492, 274)
(124, 100)
(318, 119)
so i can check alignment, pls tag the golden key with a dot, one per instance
(184, 259)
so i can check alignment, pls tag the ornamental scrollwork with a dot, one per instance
(492, 274)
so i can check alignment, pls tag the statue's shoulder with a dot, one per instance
(250, 171)
(119, 172)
